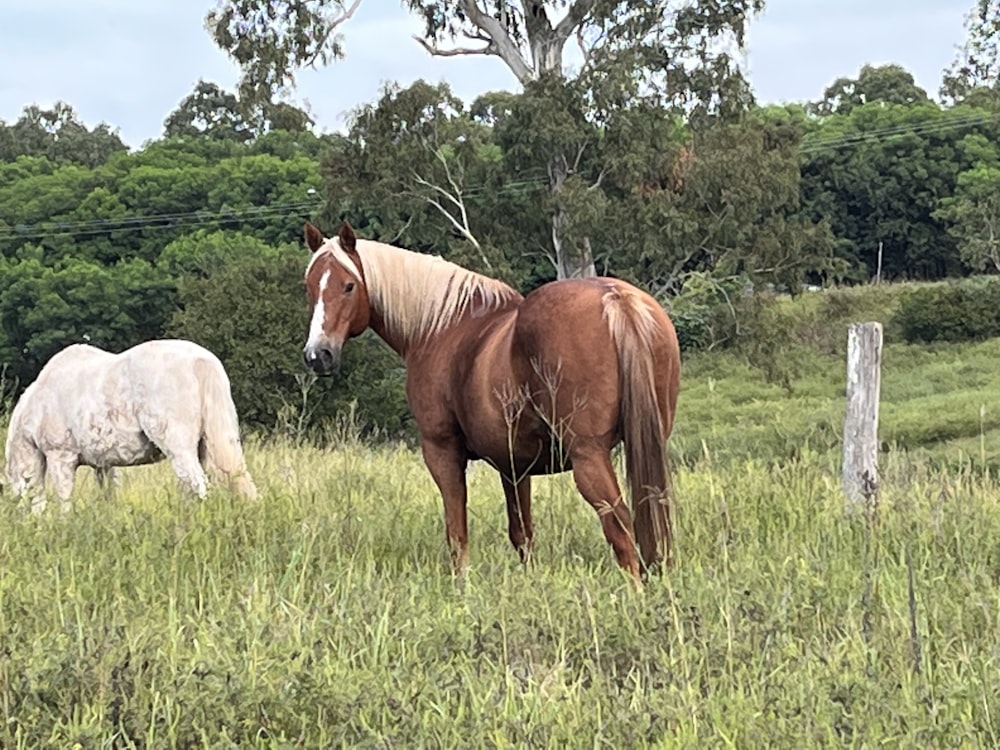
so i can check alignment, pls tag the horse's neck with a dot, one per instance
(377, 324)
(431, 344)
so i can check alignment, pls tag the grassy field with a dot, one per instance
(325, 615)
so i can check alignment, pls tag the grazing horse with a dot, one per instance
(89, 407)
(534, 384)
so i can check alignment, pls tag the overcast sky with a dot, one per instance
(130, 62)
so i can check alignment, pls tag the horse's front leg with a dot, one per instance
(446, 461)
(62, 471)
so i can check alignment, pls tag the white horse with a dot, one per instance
(89, 407)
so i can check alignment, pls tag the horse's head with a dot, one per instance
(338, 298)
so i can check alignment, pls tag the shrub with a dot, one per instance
(252, 314)
(958, 311)
(704, 314)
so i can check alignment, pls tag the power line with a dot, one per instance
(58, 228)
(885, 133)
(191, 219)
(207, 221)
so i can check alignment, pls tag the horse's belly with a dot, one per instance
(533, 454)
(117, 447)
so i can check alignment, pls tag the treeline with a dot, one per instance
(198, 233)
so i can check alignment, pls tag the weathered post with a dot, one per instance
(864, 375)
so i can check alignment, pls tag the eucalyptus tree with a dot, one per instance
(678, 53)
(976, 67)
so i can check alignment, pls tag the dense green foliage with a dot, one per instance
(198, 234)
(966, 311)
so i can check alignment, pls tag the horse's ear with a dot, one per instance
(314, 237)
(348, 242)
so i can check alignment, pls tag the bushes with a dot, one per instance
(252, 313)
(958, 311)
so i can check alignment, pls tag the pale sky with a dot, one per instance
(130, 62)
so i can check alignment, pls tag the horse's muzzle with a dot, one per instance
(322, 360)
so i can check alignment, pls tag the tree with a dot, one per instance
(879, 173)
(666, 51)
(723, 200)
(889, 84)
(58, 135)
(974, 213)
(45, 308)
(212, 112)
(270, 39)
(977, 64)
(417, 169)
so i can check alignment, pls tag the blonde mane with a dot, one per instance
(419, 295)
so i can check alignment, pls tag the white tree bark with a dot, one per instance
(544, 55)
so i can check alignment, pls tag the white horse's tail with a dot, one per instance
(223, 450)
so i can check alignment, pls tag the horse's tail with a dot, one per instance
(649, 377)
(223, 451)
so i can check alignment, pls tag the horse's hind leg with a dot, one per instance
(595, 478)
(107, 481)
(180, 446)
(519, 526)
(189, 472)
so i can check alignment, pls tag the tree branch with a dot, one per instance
(433, 49)
(461, 226)
(346, 15)
(334, 23)
(501, 41)
(574, 17)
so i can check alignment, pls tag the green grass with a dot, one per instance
(325, 615)
(775, 400)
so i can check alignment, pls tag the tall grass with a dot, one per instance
(325, 614)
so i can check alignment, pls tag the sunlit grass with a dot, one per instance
(938, 402)
(325, 614)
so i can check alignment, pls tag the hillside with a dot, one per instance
(781, 393)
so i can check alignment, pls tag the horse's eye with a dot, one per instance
(348, 287)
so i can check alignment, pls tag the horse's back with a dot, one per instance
(175, 380)
(568, 343)
(70, 376)
(161, 354)
(572, 322)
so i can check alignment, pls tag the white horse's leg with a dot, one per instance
(62, 471)
(189, 473)
(107, 480)
(27, 475)
(179, 443)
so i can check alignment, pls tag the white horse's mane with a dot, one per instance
(418, 295)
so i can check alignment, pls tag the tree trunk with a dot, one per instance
(573, 256)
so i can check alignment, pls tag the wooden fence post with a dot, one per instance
(864, 375)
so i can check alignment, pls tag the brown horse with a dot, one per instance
(533, 385)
